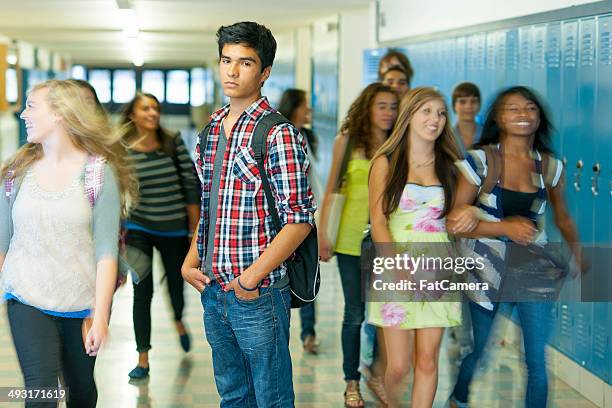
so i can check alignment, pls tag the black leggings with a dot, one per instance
(173, 251)
(47, 346)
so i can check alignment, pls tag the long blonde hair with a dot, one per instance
(89, 129)
(396, 150)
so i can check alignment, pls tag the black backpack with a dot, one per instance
(303, 267)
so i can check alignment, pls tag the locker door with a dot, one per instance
(553, 78)
(525, 74)
(539, 60)
(552, 56)
(585, 147)
(602, 325)
(461, 58)
(448, 68)
(512, 58)
(601, 181)
(415, 60)
(480, 41)
(475, 57)
(487, 83)
(568, 127)
(500, 61)
(370, 64)
(601, 340)
(437, 67)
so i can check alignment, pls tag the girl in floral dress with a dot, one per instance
(411, 186)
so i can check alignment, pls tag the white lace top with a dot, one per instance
(50, 263)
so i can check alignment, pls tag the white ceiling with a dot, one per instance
(172, 32)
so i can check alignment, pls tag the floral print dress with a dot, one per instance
(416, 221)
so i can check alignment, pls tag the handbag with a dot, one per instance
(338, 197)
(535, 273)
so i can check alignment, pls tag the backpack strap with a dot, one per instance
(548, 169)
(203, 136)
(94, 177)
(494, 168)
(9, 183)
(259, 145)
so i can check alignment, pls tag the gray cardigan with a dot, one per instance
(105, 216)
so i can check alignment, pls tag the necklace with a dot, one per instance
(425, 164)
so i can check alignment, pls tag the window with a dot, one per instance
(101, 81)
(198, 86)
(12, 86)
(177, 86)
(124, 85)
(153, 83)
(78, 72)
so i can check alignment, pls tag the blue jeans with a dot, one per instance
(307, 317)
(536, 324)
(250, 347)
(354, 311)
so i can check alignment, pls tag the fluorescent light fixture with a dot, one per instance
(130, 28)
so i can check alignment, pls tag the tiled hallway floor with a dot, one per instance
(184, 380)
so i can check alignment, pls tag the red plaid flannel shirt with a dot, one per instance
(244, 227)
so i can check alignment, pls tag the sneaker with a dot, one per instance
(453, 403)
(139, 373)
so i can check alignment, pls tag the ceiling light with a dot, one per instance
(130, 28)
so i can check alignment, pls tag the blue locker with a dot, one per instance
(437, 68)
(525, 74)
(600, 184)
(447, 73)
(601, 355)
(370, 65)
(461, 59)
(568, 126)
(512, 58)
(431, 62)
(584, 143)
(487, 82)
(554, 99)
(500, 61)
(471, 59)
(553, 79)
(417, 64)
(600, 181)
(538, 80)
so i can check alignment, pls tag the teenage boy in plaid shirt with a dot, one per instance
(236, 259)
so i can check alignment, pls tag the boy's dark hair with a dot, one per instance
(396, 68)
(403, 60)
(251, 34)
(465, 89)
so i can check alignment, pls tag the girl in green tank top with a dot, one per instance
(367, 125)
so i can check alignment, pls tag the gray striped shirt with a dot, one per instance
(167, 185)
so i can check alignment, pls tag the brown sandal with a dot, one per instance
(377, 386)
(352, 395)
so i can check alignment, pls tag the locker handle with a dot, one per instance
(595, 179)
(578, 175)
